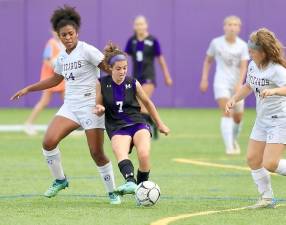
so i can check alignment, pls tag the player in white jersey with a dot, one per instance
(266, 77)
(80, 66)
(231, 56)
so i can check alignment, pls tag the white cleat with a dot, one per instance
(30, 130)
(263, 203)
(236, 149)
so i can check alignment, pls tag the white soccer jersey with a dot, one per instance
(80, 70)
(273, 76)
(228, 58)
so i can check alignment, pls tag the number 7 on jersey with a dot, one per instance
(120, 104)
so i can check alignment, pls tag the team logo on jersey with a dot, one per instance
(127, 86)
(148, 42)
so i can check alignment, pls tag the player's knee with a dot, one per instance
(50, 143)
(252, 161)
(270, 165)
(144, 156)
(98, 156)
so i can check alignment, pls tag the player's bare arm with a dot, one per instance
(242, 74)
(205, 73)
(167, 76)
(151, 109)
(41, 85)
(99, 108)
(241, 94)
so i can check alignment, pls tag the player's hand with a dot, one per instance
(19, 94)
(169, 81)
(204, 86)
(163, 129)
(99, 110)
(267, 92)
(229, 105)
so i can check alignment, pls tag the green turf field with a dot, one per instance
(186, 188)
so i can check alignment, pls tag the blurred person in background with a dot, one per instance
(143, 49)
(51, 52)
(231, 56)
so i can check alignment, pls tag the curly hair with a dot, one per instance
(270, 45)
(64, 16)
(111, 50)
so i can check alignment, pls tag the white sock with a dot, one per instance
(226, 126)
(281, 169)
(262, 180)
(53, 159)
(107, 176)
(236, 129)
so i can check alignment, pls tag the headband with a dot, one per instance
(116, 58)
(253, 45)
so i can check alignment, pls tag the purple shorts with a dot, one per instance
(147, 81)
(131, 130)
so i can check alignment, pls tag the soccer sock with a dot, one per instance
(127, 170)
(142, 176)
(53, 159)
(281, 169)
(236, 129)
(226, 127)
(107, 176)
(262, 180)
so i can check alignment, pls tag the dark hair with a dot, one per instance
(111, 50)
(64, 16)
(269, 44)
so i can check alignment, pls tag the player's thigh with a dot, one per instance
(272, 155)
(149, 89)
(121, 146)
(59, 128)
(142, 142)
(255, 151)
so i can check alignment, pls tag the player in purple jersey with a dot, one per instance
(116, 96)
(144, 49)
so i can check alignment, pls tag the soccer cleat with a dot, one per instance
(264, 203)
(30, 130)
(128, 188)
(56, 187)
(236, 149)
(114, 198)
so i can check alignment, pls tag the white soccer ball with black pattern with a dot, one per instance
(147, 193)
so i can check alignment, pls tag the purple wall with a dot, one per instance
(184, 28)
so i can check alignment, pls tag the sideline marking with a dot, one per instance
(168, 220)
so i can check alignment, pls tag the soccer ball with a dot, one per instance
(147, 193)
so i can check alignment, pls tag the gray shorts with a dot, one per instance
(272, 130)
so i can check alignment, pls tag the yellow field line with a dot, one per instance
(168, 220)
(216, 165)
(209, 164)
